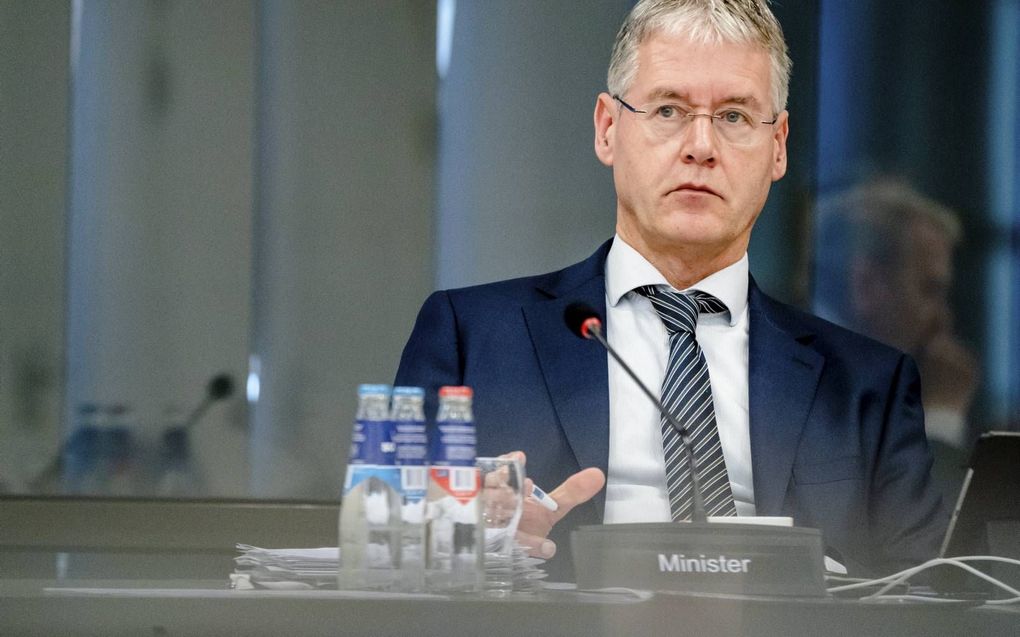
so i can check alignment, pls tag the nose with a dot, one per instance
(698, 140)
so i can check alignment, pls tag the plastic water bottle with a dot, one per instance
(408, 417)
(370, 525)
(118, 450)
(454, 550)
(176, 473)
(83, 466)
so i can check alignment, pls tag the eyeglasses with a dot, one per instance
(734, 125)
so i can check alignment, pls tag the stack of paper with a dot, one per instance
(298, 569)
(507, 561)
(286, 568)
(523, 571)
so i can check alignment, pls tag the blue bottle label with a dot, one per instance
(372, 443)
(356, 474)
(455, 444)
(411, 441)
(411, 457)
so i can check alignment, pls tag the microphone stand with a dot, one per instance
(698, 556)
(592, 328)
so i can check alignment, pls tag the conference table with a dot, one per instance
(101, 566)
(210, 607)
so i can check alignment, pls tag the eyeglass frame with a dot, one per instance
(691, 115)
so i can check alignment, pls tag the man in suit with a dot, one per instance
(812, 420)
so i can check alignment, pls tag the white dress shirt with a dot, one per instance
(636, 484)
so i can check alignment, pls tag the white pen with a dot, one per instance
(543, 498)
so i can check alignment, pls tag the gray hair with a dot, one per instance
(705, 21)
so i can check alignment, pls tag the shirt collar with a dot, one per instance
(626, 270)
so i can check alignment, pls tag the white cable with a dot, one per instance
(891, 581)
(1000, 584)
(949, 561)
(872, 582)
(912, 598)
(921, 567)
(959, 563)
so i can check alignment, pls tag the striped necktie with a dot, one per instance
(687, 395)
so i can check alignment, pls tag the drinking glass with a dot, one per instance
(502, 501)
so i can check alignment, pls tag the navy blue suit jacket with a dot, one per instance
(836, 424)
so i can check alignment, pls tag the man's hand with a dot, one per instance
(949, 373)
(537, 521)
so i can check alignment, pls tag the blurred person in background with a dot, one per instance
(884, 267)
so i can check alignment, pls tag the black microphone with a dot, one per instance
(584, 321)
(219, 387)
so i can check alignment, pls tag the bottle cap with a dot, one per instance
(450, 391)
(368, 389)
(415, 392)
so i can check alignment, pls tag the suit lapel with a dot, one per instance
(575, 370)
(783, 376)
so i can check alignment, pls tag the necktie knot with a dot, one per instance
(679, 311)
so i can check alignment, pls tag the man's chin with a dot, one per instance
(695, 232)
(681, 229)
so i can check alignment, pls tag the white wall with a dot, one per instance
(520, 189)
(344, 222)
(160, 191)
(34, 48)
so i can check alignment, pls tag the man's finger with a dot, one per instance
(517, 455)
(529, 486)
(577, 489)
(537, 545)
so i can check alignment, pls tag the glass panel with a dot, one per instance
(148, 280)
(159, 248)
(915, 239)
(34, 53)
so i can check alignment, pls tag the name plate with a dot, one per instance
(741, 559)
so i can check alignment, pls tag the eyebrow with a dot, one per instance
(742, 100)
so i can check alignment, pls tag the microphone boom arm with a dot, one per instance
(593, 329)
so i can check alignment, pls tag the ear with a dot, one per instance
(779, 145)
(605, 128)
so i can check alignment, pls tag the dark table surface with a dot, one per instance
(209, 607)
